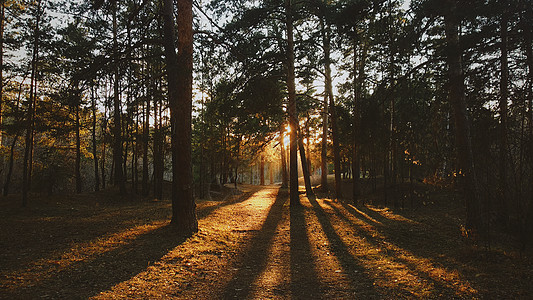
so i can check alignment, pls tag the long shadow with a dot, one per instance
(62, 231)
(350, 265)
(255, 260)
(87, 277)
(42, 235)
(208, 210)
(304, 284)
(396, 230)
(392, 255)
(84, 279)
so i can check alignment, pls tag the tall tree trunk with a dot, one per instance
(307, 145)
(237, 157)
(146, 140)
(392, 125)
(125, 139)
(95, 150)
(27, 161)
(104, 129)
(135, 159)
(78, 143)
(504, 88)
(262, 170)
(305, 168)
(119, 179)
(293, 117)
(527, 20)
(355, 155)
(324, 142)
(284, 175)
(158, 155)
(2, 24)
(324, 145)
(10, 165)
(465, 159)
(179, 75)
(270, 171)
(326, 44)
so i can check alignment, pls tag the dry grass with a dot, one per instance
(251, 245)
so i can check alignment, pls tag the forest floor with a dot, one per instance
(251, 245)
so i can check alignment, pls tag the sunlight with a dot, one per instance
(80, 252)
(365, 215)
(330, 267)
(386, 213)
(390, 265)
(206, 255)
(288, 128)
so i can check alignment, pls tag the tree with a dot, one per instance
(28, 160)
(119, 179)
(179, 69)
(465, 171)
(293, 119)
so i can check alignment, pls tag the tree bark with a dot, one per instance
(305, 167)
(504, 88)
(10, 165)
(146, 139)
(179, 68)
(78, 142)
(355, 155)
(27, 161)
(262, 170)
(119, 179)
(326, 45)
(158, 155)
(293, 117)
(284, 175)
(2, 25)
(324, 144)
(465, 171)
(528, 37)
(95, 150)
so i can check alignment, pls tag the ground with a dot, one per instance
(251, 245)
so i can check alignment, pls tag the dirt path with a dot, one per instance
(251, 246)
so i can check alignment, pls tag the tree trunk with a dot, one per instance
(135, 158)
(158, 155)
(293, 117)
(333, 114)
(146, 140)
(284, 175)
(262, 170)
(27, 161)
(95, 150)
(103, 161)
(271, 172)
(504, 88)
(10, 165)
(78, 144)
(324, 144)
(355, 156)
(2, 24)
(119, 179)
(305, 168)
(179, 68)
(466, 171)
(528, 37)
(307, 145)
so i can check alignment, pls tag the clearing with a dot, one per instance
(251, 245)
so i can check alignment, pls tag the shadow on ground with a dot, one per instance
(79, 253)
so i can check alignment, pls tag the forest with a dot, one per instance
(266, 149)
